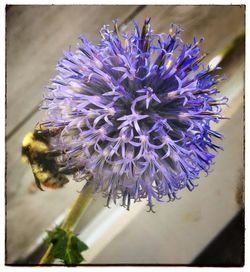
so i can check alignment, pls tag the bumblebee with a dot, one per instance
(36, 151)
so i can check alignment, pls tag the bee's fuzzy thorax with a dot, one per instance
(35, 151)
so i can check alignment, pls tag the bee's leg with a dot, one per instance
(69, 171)
(38, 183)
(52, 154)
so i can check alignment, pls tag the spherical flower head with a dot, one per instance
(136, 113)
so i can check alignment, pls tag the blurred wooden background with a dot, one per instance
(36, 37)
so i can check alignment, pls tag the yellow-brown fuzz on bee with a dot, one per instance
(30, 144)
(34, 144)
(35, 151)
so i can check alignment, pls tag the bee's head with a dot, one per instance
(42, 135)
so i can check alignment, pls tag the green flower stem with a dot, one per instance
(78, 208)
(76, 211)
(47, 258)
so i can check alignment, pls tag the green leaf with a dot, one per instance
(66, 246)
(80, 245)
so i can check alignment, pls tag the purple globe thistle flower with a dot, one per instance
(135, 113)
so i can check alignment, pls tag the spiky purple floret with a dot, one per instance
(136, 113)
